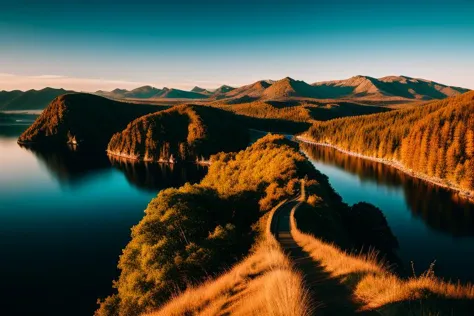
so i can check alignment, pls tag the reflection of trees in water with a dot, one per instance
(157, 176)
(69, 165)
(441, 209)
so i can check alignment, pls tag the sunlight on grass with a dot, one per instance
(262, 284)
(372, 282)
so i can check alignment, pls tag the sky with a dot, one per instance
(87, 45)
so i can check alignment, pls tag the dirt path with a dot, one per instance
(329, 296)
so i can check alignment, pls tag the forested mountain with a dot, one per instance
(149, 92)
(29, 100)
(386, 87)
(84, 119)
(183, 132)
(191, 233)
(200, 90)
(435, 140)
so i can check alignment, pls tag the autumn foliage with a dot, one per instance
(196, 231)
(184, 132)
(435, 140)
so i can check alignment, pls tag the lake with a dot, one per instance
(430, 223)
(64, 219)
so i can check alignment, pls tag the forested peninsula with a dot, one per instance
(181, 133)
(434, 142)
(81, 118)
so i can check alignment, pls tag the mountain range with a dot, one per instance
(401, 88)
(359, 89)
(28, 100)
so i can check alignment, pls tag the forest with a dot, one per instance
(181, 133)
(84, 118)
(435, 140)
(196, 231)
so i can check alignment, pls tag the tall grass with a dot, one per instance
(264, 283)
(376, 287)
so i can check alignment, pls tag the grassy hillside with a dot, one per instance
(435, 141)
(371, 282)
(386, 87)
(184, 132)
(88, 119)
(263, 283)
(198, 230)
(28, 100)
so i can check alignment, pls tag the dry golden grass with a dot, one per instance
(372, 282)
(262, 284)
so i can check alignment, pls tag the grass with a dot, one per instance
(264, 283)
(375, 287)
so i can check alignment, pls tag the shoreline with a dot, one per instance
(136, 159)
(463, 193)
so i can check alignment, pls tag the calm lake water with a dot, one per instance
(430, 223)
(64, 219)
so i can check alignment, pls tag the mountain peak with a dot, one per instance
(198, 89)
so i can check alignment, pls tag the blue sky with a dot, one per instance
(89, 45)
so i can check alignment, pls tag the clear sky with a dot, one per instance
(89, 45)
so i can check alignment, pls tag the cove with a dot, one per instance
(65, 217)
(432, 224)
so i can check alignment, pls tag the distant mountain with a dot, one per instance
(179, 94)
(253, 90)
(223, 89)
(149, 92)
(83, 118)
(28, 100)
(386, 87)
(200, 90)
(144, 92)
(288, 87)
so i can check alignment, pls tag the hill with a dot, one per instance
(434, 142)
(200, 90)
(29, 100)
(185, 132)
(288, 87)
(304, 111)
(83, 119)
(222, 90)
(149, 92)
(179, 94)
(193, 232)
(387, 87)
(386, 91)
(251, 91)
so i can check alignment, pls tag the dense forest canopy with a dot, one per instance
(184, 132)
(83, 118)
(197, 230)
(436, 140)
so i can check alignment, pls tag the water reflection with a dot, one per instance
(68, 165)
(439, 208)
(157, 176)
(72, 165)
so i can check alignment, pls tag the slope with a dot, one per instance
(28, 100)
(83, 119)
(185, 132)
(434, 141)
